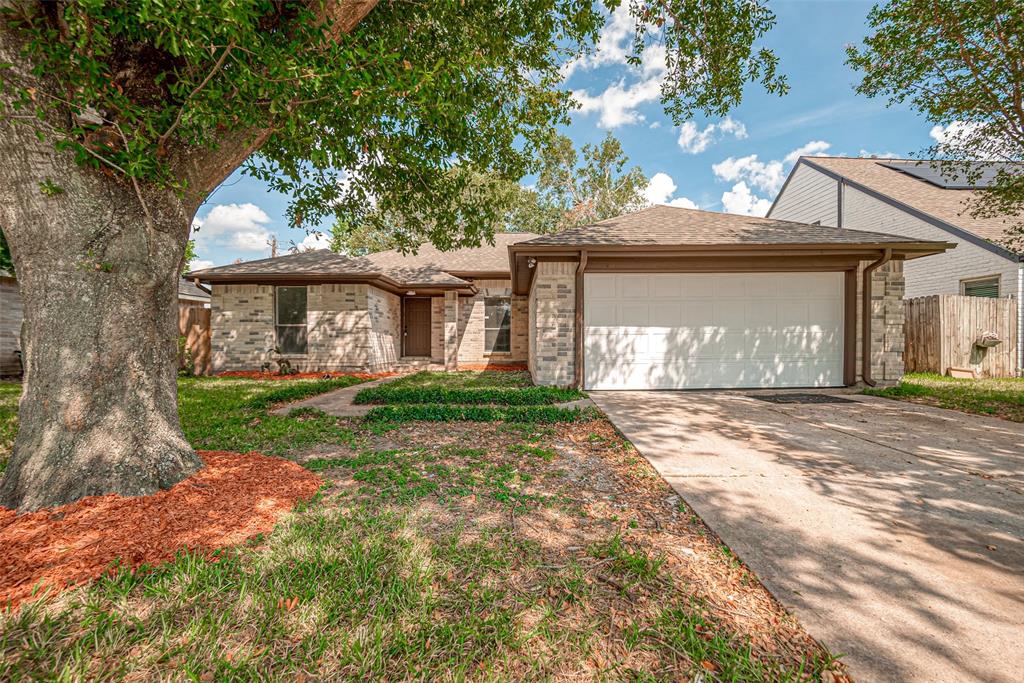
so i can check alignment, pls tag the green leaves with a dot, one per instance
(961, 64)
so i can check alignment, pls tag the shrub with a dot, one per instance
(434, 412)
(525, 396)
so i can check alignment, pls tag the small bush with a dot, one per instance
(434, 412)
(525, 396)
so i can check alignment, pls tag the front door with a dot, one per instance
(416, 327)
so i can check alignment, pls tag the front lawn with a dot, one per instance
(227, 415)
(458, 550)
(1003, 397)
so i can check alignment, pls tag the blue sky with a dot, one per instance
(735, 164)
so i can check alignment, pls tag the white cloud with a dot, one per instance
(684, 203)
(954, 132)
(660, 189)
(742, 201)
(239, 226)
(812, 148)
(764, 175)
(612, 43)
(877, 155)
(618, 104)
(312, 241)
(694, 140)
(200, 264)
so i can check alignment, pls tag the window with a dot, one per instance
(497, 324)
(987, 287)
(291, 319)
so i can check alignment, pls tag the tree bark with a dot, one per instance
(97, 260)
(97, 265)
(98, 413)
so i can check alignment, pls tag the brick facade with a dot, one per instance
(552, 303)
(471, 324)
(350, 328)
(887, 322)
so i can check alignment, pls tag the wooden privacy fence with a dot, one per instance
(942, 331)
(194, 327)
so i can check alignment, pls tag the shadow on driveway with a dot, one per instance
(895, 532)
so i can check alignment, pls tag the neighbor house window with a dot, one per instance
(987, 287)
(497, 324)
(291, 319)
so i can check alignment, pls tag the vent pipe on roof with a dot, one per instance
(866, 316)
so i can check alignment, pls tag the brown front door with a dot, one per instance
(416, 327)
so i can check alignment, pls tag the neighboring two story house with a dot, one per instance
(911, 198)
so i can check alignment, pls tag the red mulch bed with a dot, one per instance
(256, 374)
(232, 499)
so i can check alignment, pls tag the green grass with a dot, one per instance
(470, 413)
(488, 379)
(509, 396)
(1003, 397)
(228, 414)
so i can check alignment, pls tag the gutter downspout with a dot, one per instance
(866, 317)
(578, 322)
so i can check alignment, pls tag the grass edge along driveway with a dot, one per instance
(999, 397)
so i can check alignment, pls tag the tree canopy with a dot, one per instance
(572, 188)
(384, 111)
(961, 64)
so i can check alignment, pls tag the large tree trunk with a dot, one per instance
(97, 263)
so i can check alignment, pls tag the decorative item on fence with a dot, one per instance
(987, 340)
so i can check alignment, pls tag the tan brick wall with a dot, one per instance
(471, 324)
(552, 316)
(437, 329)
(887, 322)
(350, 328)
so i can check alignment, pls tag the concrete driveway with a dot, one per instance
(894, 532)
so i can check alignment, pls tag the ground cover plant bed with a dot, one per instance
(233, 498)
(463, 379)
(509, 396)
(474, 413)
(1002, 397)
(452, 551)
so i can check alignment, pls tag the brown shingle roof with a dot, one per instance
(189, 289)
(482, 259)
(429, 266)
(949, 206)
(673, 226)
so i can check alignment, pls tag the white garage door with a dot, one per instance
(719, 330)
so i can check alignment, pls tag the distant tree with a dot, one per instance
(189, 256)
(581, 188)
(573, 188)
(961, 64)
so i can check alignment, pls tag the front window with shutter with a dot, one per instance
(985, 287)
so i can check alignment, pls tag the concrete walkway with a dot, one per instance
(894, 532)
(337, 402)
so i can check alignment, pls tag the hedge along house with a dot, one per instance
(328, 312)
(671, 298)
(665, 298)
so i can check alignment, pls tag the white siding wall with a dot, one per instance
(939, 274)
(809, 197)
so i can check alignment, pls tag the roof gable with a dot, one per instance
(949, 205)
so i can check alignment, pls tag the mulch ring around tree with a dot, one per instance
(233, 498)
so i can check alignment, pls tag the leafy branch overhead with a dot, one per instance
(961, 64)
(178, 94)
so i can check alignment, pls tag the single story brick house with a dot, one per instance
(664, 298)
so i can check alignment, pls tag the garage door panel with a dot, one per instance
(670, 331)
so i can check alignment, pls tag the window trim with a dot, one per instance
(278, 325)
(491, 352)
(971, 280)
